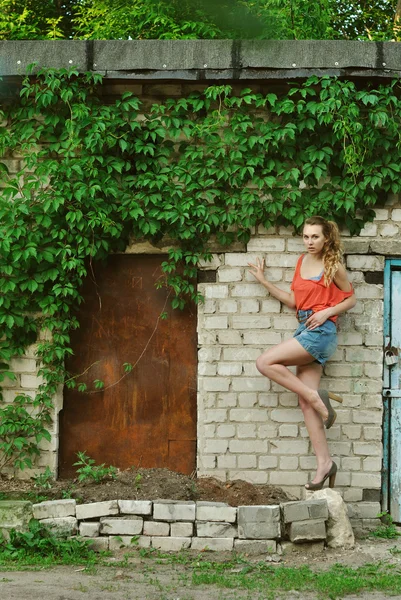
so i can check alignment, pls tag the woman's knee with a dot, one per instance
(263, 363)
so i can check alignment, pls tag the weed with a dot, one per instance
(44, 480)
(39, 546)
(387, 529)
(137, 482)
(89, 471)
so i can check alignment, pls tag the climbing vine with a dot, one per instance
(208, 166)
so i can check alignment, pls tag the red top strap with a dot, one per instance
(314, 295)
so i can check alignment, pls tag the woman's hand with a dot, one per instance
(258, 270)
(317, 319)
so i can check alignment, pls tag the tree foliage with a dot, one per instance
(200, 19)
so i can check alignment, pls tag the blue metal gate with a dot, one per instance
(392, 390)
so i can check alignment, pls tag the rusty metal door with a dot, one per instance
(146, 418)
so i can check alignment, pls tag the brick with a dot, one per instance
(90, 530)
(288, 431)
(369, 291)
(215, 384)
(365, 263)
(246, 461)
(208, 307)
(268, 462)
(389, 230)
(207, 370)
(288, 463)
(228, 306)
(216, 322)
(303, 510)
(249, 306)
(248, 290)
(255, 477)
(215, 529)
(296, 447)
(61, 527)
(246, 430)
(245, 384)
(229, 369)
(170, 510)
(215, 291)
(180, 530)
(261, 338)
(368, 448)
(381, 214)
(225, 431)
(250, 547)
(215, 447)
(31, 381)
(259, 522)
(372, 433)
(15, 514)
(288, 323)
(54, 509)
(214, 544)
(251, 322)
(209, 354)
(367, 416)
(307, 531)
(247, 446)
(226, 400)
(127, 541)
(238, 354)
(131, 525)
(229, 275)
(96, 509)
(307, 549)
(268, 400)
(171, 544)
(351, 464)
(283, 415)
(215, 511)
(156, 528)
(288, 477)
(227, 462)
(218, 415)
(98, 544)
(266, 245)
(23, 365)
(369, 230)
(244, 415)
(229, 338)
(396, 214)
(364, 510)
(366, 480)
(247, 399)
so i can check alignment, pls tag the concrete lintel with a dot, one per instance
(205, 59)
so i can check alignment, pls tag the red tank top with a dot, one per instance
(313, 294)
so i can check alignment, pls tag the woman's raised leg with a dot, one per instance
(274, 362)
(310, 375)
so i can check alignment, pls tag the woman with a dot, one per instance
(320, 291)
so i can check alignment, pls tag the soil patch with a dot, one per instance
(145, 484)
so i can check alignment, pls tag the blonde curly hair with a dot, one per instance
(332, 250)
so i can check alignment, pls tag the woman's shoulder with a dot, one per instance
(341, 279)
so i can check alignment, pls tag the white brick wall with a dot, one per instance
(281, 446)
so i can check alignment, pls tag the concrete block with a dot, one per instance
(121, 525)
(216, 544)
(213, 529)
(181, 530)
(288, 548)
(90, 529)
(15, 515)
(259, 522)
(98, 544)
(170, 510)
(170, 544)
(215, 511)
(54, 509)
(255, 546)
(135, 507)
(307, 531)
(61, 527)
(303, 510)
(156, 528)
(96, 509)
(127, 541)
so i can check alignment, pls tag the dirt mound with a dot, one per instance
(145, 484)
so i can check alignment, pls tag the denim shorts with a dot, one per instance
(321, 342)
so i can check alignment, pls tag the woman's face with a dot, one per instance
(314, 239)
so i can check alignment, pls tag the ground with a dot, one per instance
(158, 577)
(146, 484)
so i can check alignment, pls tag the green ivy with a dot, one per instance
(188, 170)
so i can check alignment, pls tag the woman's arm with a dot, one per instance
(257, 271)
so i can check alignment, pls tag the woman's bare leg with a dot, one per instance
(310, 375)
(274, 362)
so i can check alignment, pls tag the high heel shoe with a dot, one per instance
(332, 416)
(331, 476)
